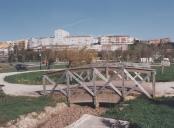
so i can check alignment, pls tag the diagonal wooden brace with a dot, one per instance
(81, 83)
(55, 85)
(106, 80)
(138, 84)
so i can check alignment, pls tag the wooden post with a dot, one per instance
(153, 83)
(44, 85)
(123, 84)
(68, 87)
(88, 75)
(96, 104)
(162, 68)
(107, 72)
(70, 78)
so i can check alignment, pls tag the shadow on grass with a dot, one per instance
(169, 101)
(103, 105)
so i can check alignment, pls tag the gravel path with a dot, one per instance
(162, 88)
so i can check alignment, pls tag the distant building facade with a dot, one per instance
(7, 46)
(4, 48)
(21, 44)
(63, 38)
(114, 42)
(158, 41)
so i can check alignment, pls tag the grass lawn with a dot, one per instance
(144, 113)
(168, 74)
(31, 78)
(34, 78)
(12, 107)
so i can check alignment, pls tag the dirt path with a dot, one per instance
(69, 115)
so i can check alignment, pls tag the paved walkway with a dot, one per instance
(162, 88)
(20, 89)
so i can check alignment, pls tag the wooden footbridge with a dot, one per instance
(100, 84)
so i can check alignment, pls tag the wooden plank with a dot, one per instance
(76, 74)
(105, 79)
(99, 90)
(118, 74)
(88, 75)
(53, 89)
(131, 90)
(107, 72)
(138, 84)
(81, 83)
(49, 80)
(153, 83)
(93, 82)
(55, 85)
(138, 75)
(96, 104)
(81, 73)
(141, 70)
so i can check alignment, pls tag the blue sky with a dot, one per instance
(144, 19)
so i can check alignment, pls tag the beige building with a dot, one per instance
(158, 41)
(21, 44)
(115, 42)
(4, 48)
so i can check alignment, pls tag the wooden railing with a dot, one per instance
(109, 74)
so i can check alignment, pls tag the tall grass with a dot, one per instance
(146, 113)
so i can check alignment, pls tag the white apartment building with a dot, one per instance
(80, 40)
(34, 43)
(47, 41)
(60, 37)
(63, 38)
